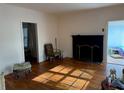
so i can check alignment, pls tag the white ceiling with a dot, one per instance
(62, 7)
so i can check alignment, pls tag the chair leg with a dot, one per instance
(51, 59)
(61, 57)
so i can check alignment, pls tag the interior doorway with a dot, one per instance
(30, 42)
(115, 48)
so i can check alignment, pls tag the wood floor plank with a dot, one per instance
(54, 75)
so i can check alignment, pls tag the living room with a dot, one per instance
(56, 22)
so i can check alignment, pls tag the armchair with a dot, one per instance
(51, 53)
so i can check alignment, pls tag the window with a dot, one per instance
(25, 33)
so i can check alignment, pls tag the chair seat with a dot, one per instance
(57, 53)
(22, 66)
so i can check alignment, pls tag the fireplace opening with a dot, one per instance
(88, 47)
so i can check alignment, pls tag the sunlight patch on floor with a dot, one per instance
(66, 70)
(79, 83)
(76, 73)
(66, 77)
(45, 75)
(85, 86)
(68, 80)
(88, 71)
(63, 86)
(86, 75)
(57, 68)
(56, 77)
(39, 79)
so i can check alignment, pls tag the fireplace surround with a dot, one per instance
(88, 47)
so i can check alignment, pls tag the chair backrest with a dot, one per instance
(48, 49)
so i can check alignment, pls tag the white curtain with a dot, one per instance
(2, 82)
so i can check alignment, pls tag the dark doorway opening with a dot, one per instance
(30, 41)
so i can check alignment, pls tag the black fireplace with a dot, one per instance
(88, 47)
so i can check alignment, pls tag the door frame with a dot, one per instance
(22, 39)
(106, 35)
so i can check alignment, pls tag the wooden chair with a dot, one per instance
(52, 54)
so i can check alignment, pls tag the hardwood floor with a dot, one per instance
(59, 75)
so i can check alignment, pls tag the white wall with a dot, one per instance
(48, 25)
(86, 22)
(11, 41)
